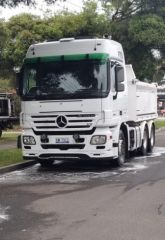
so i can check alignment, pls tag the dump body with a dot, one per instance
(142, 100)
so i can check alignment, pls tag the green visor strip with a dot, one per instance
(76, 57)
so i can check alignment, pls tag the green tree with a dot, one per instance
(139, 25)
(3, 39)
(123, 9)
(149, 31)
(14, 3)
(26, 29)
(95, 24)
(20, 36)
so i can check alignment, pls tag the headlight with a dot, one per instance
(98, 140)
(29, 140)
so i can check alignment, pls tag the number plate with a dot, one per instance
(62, 140)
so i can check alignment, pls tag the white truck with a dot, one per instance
(7, 113)
(81, 101)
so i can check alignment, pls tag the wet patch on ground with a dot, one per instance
(4, 216)
(79, 172)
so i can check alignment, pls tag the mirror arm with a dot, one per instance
(116, 87)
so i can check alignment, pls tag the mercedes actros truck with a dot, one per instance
(81, 101)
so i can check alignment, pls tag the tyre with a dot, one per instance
(144, 146)
(46, 163)
(19, 143)
(121, 149)
(151, 140)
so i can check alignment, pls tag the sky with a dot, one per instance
(41, 9)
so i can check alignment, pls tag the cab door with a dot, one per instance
(119, 90)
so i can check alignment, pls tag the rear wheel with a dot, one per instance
(144, 146)
(151, 140)
(121, 149)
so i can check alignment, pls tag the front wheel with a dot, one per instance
(46, 163)
(121, 149)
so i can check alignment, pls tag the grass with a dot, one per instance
(10, 156)
(159, 124)
(9, 136)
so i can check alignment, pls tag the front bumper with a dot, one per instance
(69, 151)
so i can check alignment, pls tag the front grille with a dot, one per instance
(47, 127)
(44, 116)
(63, 146)
(75, 121)
(51, 121)
(82, 115)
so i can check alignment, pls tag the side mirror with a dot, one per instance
(120, 78)
(119, 74)
(120, 87)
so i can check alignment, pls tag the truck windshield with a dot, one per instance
(65, 80)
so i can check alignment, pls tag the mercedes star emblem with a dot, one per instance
(61, 121)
